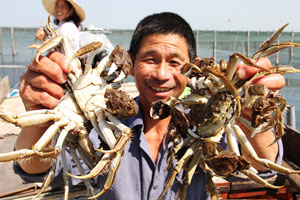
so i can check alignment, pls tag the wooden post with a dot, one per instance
(4, 88)
(287, 82)
(215, 46)
(2, 58)
(291, 116)
(291, 50)
(234, 44)
(13, 44)
(243, 47)
(197, 41)
(248, 45)
(277, 57)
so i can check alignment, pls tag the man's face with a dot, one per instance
(157, 67)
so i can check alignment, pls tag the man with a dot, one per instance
(160, 45)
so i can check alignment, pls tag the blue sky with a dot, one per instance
(260, 15)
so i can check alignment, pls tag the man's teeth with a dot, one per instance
(160, 89)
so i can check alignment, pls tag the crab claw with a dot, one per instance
(269, 42)
(46, 46)
(188, 69)
(162, 109)
(274, 49)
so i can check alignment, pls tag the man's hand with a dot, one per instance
(40, 85)
(273, 82)
(261, 141)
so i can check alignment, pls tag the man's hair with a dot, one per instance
(163, 23)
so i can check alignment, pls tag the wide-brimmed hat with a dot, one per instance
(50, 5)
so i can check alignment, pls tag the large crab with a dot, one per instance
(94, 98)
(199, 120)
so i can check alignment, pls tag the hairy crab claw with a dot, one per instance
(268, 48)
(200, 119)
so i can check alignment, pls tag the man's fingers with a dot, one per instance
(63, 61)
(246, 71)
(53, 70)
(42, 82)
(45, 100)
(35, 98)
(273, 82)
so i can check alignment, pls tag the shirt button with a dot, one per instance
(155, 187)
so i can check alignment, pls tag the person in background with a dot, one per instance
(160, 45)
(68, 15)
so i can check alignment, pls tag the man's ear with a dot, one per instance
(131, 71)
(196, 60)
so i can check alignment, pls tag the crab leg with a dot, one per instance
(251, 152)
(268, 43)
(249, 62)
(19, 154)
(277, 47)
(114, 165)
(46, 138)
(92, 47)
(125, 134)
(81, 171)
(253, 92)
(46, 46)
(170, 134)
(86, 159)
(65, 175)
(99, 168)
(211, 187)
(49, 26)
(186, 142)
(30, 118)
(185, 158)
(258, 179)
(232, 144)
(86, 147)
(48, 178)
(285, 70)
(231, 66)
(107, 134)
(190, 172)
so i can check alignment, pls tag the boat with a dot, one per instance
(92, 28)
(86, 37)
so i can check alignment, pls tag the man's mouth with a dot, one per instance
(158, 89)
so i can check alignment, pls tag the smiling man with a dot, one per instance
(160, 45)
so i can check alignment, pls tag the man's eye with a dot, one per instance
(149, 60)
(175, 63)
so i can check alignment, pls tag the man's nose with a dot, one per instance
(163, 71)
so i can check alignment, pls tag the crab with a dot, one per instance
(220, 96)
(90, 102)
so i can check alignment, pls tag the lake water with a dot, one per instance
(227, 42)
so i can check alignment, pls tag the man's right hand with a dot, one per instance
(40, 85)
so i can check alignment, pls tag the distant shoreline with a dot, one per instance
(33, 29)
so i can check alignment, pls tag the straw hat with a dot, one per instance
(50, 5)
